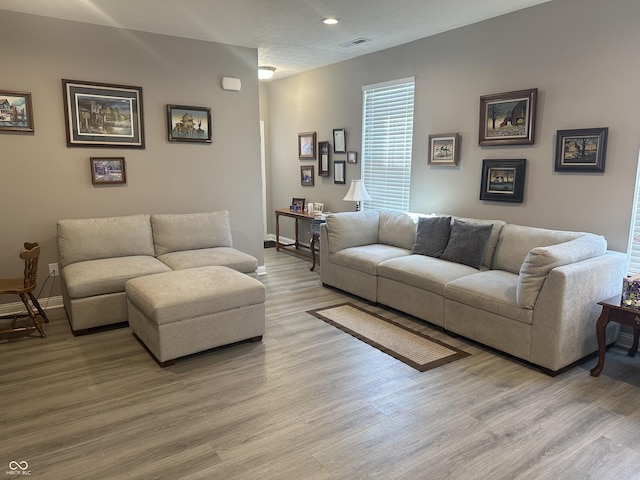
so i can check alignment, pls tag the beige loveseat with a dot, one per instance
(98, 255)
(530, 292)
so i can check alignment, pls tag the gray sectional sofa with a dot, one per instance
(98, 255)
(529, 292)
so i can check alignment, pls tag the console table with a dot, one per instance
(613, 311)
(295, 248)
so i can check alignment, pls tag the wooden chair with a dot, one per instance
(23, 287)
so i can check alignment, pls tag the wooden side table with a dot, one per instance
(613, 311)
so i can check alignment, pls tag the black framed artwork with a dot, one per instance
(581, 150)
(503, 180)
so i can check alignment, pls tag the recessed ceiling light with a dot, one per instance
(265, 73)
(330, 21)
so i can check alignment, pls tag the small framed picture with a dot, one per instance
(338, 171)
(16, 113)
(503, 180)
(444, 149)
(352, 157)
(307, 145)
(582, 150)
(318, 207)
(508, 118)
(103, 115)
(189, 124)
(299, 203)
(339, 140)
(306, 176)
(323, 159)
(108, 170)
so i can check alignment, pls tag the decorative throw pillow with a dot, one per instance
(432, 236)
(467, 242)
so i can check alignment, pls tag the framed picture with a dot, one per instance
(16, 113)
(306, 176)
(339, 140)
(444, 149)
(338, 171)
(352, 157)
(189, 124)
(103, 115)
(581, 150)
(503, 180)
(307, 145)
(299, 203)
(108, 170)
(508, 118)
(318, 207)
(323, 159)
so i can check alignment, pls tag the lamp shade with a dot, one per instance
(357, 192)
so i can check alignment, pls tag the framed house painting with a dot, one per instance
(444, 149)
(503, 180)
(189, 124)
(103, 115)
(108, 170)
(582, 150)
(16, 112)
(508, 118)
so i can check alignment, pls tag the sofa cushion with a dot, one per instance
(467, 243)
(516, 241)
(432, 236)
(107, 275)
(206, 257)
(82, 239)
(423, 272)
(352, 229)
(396, 228)
(496, 228)
(493, 291)
(366, 258)
(190, 231)
(541, 260)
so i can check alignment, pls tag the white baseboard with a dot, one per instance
(47, 303)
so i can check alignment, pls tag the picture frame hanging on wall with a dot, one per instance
(444, 149)
(189, 124)
(508, 118)
(108, 170)
(339, 171)
(103, 115)
(16, 111)
(323, 159)
(306, 176)
(339, 140)
(503, 180)
(581, 150)
(352, 157)
(307, 145)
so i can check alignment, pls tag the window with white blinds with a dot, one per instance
(634, 241)
(387, 138)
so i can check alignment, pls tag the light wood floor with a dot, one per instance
(307, 403)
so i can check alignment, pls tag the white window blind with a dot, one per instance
(387, 138)
(634, 241)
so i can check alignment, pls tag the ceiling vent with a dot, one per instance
(353, 43)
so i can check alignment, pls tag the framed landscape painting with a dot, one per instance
(444, 149)
(508, 118)
(103, 115)
(582, 150)
(108, 170)
(16, 113)
(189, 124)
(503, 180)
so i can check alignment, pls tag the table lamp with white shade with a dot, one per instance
(357, 193)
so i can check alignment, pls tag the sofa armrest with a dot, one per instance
(565, 314)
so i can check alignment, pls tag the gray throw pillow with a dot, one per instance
(467, 242)
(432, 236)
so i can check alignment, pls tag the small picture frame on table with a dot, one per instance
(297, 204)
(306, 176)
(307, 145)
(582, 150)
(444, 149)
(318, 207)
(503, 180)
(108, 171)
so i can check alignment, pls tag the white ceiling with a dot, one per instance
(288, 34)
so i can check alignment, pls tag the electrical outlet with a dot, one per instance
(53, 269)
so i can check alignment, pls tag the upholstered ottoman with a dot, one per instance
(187, 311)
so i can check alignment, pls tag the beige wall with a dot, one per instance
(42, 180)
(580, 54)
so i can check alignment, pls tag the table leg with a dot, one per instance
(297, 243)
(277, 232)
(601, 326)
(634, 348)
(312, 247)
